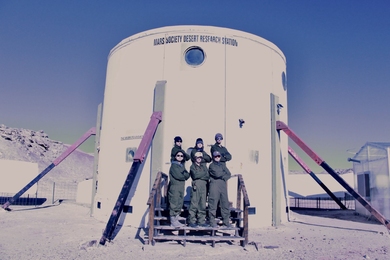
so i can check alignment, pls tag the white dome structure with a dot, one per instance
(210, 80)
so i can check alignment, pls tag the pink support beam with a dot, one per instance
(298, 160)
(139, 157)
(282, 126)
(74, 146)
(57, 161)
(143, 147)
(311, 173)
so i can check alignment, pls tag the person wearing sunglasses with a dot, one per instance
(200, 148)
(177, 178)
(219, 175)
(200, 178)
(225, 155)
(177, 147)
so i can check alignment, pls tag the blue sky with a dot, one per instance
(53, 58)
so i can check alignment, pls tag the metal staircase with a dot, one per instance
(159, 228)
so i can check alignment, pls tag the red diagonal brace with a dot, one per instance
(307, 169)
(57, 161)
(282, 126)
(74, 146)
(139, 157)
(155, 119)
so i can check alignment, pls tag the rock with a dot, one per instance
(36, 146)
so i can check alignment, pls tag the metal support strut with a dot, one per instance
(307, 170)
(57, 161)
(282, 126)
(131, 176)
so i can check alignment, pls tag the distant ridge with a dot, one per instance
(36, 146)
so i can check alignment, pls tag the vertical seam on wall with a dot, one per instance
(272, 71)
(224, 121)
(163, 70)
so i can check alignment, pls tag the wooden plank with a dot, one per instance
(239, 189)
(200, 238)
(151, 222)
(159, 209)
(160, 218)
(246, 227)
(196, 228)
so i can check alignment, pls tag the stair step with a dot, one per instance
(160, 218)
(195, 228)
(199, 238)
(231, 209)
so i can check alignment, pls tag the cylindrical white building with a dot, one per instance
(209, 79)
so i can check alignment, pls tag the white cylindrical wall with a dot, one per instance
(239, 72)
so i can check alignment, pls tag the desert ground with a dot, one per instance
(66, 231)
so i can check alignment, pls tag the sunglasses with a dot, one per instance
(179, 155)
(218, 156)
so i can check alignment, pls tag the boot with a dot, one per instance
(227, 225)
(212, 223)
(178, 218)
(175, 223)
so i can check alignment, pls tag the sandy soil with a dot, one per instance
(66, 231)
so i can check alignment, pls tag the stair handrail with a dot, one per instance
(241, 190)
(157, 187)
(155, 196)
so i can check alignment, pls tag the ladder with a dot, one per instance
(159, 228)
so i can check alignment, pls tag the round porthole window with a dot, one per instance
(194, 56)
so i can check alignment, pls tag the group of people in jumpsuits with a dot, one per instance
(207, 182)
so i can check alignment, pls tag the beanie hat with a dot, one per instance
(199, 140)
(198, 154)
(180, 151)
(216, 153)
(178, 139)
(218, 136)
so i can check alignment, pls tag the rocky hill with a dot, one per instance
(36, 146)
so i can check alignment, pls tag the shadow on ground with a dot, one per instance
(350, 215)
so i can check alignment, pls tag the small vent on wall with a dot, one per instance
(254, 156)
(128, 209)
(251, 210)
